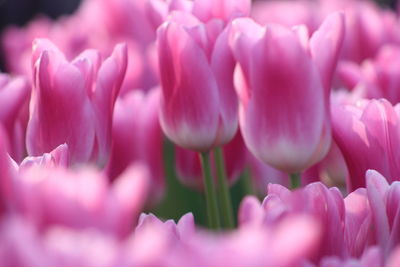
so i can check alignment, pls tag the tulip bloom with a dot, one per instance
(368, 134)
(384, 201)
(137, 137)
(198, 103)
(73, 102)
(204, 10)
(14, 96)
(283, 82)
(81, 199)
(375, 78)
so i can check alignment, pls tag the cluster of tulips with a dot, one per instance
(296, 99)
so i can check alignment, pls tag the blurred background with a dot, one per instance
(21, 11)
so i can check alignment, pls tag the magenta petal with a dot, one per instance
(377, 187)
(325, 47)
(109, 80)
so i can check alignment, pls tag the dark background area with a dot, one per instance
(21, 11)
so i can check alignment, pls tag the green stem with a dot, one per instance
(223, 190)
(247, 183)
(211, 197)
(295, 180)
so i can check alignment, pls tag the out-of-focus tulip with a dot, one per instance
(5, 169)
(375, 78)
(368, 134)
(291, 242)
(372, 257)
(366, 21)
(317, 200)
(332, 169)
(358, 223)
(58, 157)
(79, 199)
(384, 202)
(205, 10)
(325, 205)
(283, 82)
(198, 103)
(262, 174)
(137, 137)
(14, 95)
(188, 167)
(17, 43)
(287, 13)
(73, 102)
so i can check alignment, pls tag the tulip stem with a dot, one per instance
(223, 190)
(295, 180)
(247, 183)
(211, 196)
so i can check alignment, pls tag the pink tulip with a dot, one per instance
(207, 10)
(73, 102)
(332, 169)
(365, 21)
(358, 223)
(262, 174)
(14, 94)
(58, 157)
(325, 205)
(204, 10)
(378, 77)
(317, 200)
(188, 165)
(137, 137)
(287, 13)
(23, 245)
(198, 103)
(372, 257)
(290, 242)
(384, 202)
(284, 90)
(6, 171)
(155, 242)
(394, 259)
(368, 136)
(79, 199)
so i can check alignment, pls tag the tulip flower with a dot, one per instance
(204, 10)
(78, 199)
(375, 78)
(14, 95)
(283, 82)
(372, 257)
(198, 103)
(367, 134)
(384, 201)
(332, 169)
(137, 137)
(58, 157)
(73, 102)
